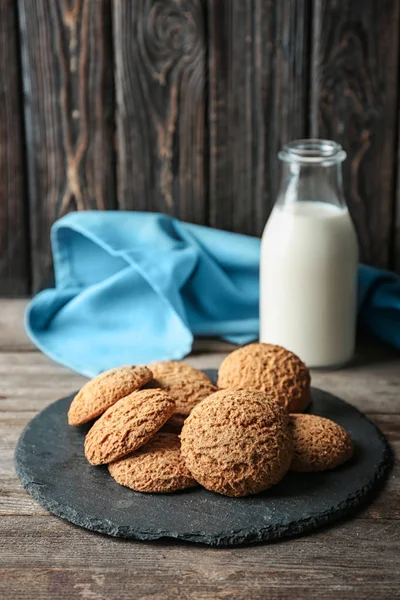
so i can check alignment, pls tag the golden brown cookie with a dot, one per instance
(319, 444)
(270, 369)
(237, 443)
(127, 425)
(106, 389)
(185, 384)
(155, 467)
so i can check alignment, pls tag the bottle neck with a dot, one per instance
(312, 172)
(311, 183)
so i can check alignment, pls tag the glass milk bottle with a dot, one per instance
(309, 255)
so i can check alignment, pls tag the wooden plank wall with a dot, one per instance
(258, 91)
(180, 106)
(14, 240)
(69, 115)
(160, 51)
(354, 100)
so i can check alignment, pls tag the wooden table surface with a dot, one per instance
(43, 557)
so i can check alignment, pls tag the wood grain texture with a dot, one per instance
(258, 86)
(354, 101)
(356, 560)
(160, 89)
(12, 332)
(14, 241)
(395, 262)
(68, 88)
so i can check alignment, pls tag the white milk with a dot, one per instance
(308, 275)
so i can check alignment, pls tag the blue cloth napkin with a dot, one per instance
(137, 287)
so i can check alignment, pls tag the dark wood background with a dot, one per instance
(180, 106)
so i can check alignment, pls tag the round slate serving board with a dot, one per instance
(50, 462)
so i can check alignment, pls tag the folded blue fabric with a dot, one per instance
(137, 287)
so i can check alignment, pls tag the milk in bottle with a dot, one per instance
(309, 259)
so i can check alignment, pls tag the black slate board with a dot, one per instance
(49, 461)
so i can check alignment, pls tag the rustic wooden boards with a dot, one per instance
(354, 100)
(69, 115)
(258, 90)
(350, 562)
(49, 557)
(14, 242)
(160, 50)
(180, 106)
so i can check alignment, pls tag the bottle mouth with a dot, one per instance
(312, 152)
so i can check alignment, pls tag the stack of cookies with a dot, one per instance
(166, 427)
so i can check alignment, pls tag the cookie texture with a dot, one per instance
(319, 444)
(127, 425)
(237, 443)
(270, 369)
(155, 467)
(185, 384)
(98, 394)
